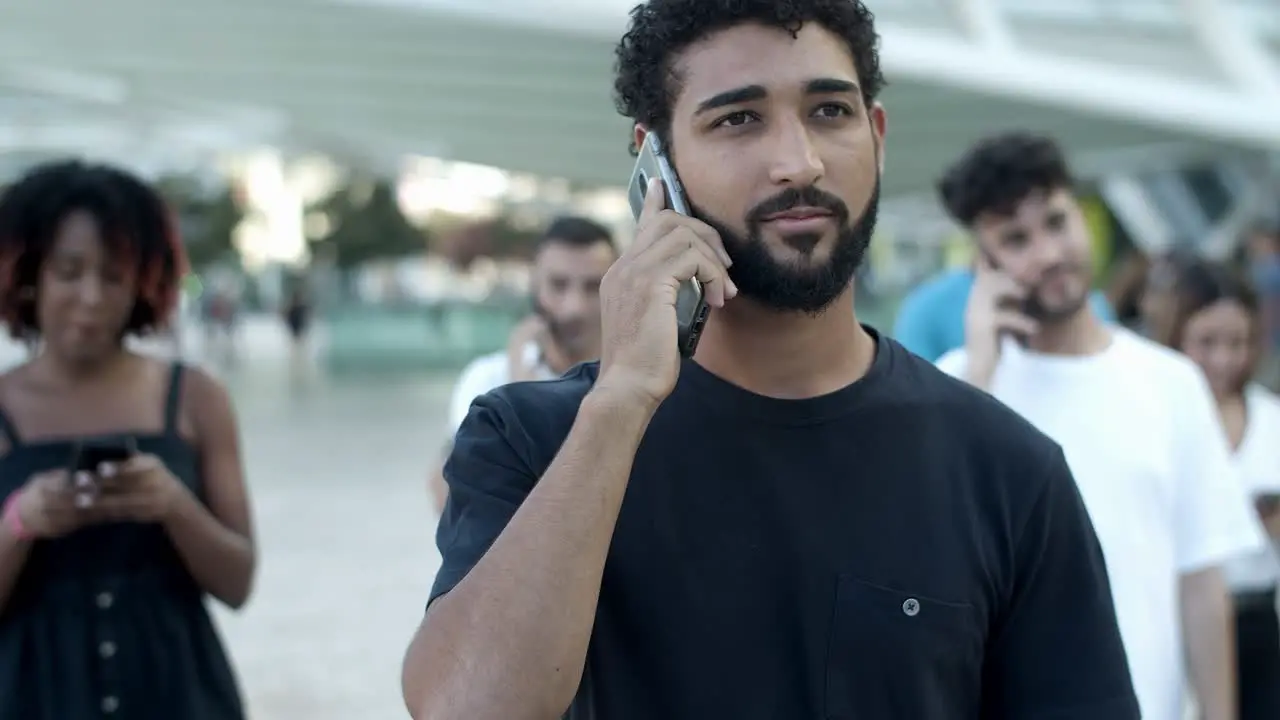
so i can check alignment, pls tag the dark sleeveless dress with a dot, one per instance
(107, 622)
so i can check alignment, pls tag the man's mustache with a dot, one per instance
(809, 196)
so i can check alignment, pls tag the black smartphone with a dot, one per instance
(92, 453)
(691, 304)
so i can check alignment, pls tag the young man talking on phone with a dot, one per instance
(803, 520)
(1136, 420)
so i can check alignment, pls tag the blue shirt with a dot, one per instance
(931, 320)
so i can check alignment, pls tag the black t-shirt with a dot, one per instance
(905, 548)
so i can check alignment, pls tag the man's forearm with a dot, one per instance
(437, 488)
(1208, 629)
(511, 639)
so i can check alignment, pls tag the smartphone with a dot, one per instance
(691, 304)
(92, 453)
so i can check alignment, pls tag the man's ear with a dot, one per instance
(879, 126)
(639, 133)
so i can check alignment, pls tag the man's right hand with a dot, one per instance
(990, 314)
(639, 354)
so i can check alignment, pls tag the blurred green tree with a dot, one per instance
(207, 219)
(363, 222)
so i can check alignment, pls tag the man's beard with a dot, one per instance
(568, 336)
(797, 286)
(1043, 314)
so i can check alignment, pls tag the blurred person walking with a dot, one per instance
(563, 330)
(1262, 253)
(104, 570)
(1136, 421)
(802, 520)
(298, 311)
(1217, 324)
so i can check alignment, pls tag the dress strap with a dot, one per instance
(173, 401)
(9, 430)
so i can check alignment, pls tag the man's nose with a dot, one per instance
(1047, 249)
(576, 304)
(794, 160)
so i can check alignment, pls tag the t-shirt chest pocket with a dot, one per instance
(897, 653)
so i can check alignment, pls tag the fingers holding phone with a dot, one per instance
(638, 296)
(48, 507)
(138, 489)
(995, 309)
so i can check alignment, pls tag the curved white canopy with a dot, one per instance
(525, 84)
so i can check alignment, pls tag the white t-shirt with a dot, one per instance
(1258, 466)
(486, 373)
(1142, 437)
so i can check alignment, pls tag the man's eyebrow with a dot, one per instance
(751, 93)
(831, 86)
(748, 93)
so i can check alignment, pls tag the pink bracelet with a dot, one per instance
(12, 519)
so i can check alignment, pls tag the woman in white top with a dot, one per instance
(1216, 323)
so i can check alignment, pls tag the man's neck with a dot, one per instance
(558, 359)
(786, 355)
(1081, 334)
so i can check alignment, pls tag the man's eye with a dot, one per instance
(833, 110)
(736, 119)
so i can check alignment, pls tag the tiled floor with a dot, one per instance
(345, 536)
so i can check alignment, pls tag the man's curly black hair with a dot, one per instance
(1001, 171)
(647, 83)
(134, 220)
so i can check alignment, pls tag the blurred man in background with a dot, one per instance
(562, 331)
(930, 322)
(1136, 420)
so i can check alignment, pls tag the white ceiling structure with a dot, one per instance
(526, 84)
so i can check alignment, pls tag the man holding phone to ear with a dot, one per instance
(563, 330)
(802, 519)
(1136, 420)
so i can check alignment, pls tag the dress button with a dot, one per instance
(107, 649)
(105, 600)
(911, 607)
(110, 704)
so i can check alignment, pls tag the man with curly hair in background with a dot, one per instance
(1137, 421)
(816, 523)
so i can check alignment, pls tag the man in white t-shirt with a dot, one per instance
(1136, 421)
(564, 329)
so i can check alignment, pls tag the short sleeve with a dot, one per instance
(1214, 514)
(914, 328)
(488, 479)
(1056, 651)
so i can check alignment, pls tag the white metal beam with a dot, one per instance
(983, 21)
(1122, 93)
(1239, 52)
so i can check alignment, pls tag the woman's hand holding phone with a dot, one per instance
(639, 355)
(992, 312)
(50, 506)
(140, 489)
